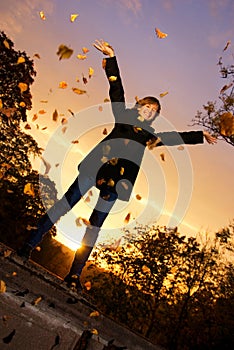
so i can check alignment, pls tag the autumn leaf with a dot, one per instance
(64, 129)
(1, 104)
(94, 331)
(37, 301)
(64, 52)
(47, 166)
(113, 161)
(160, 34)
(106, 100)
(75, 141)
(27, 127)
(42, 15)
(105, 131)
(6, 44)
(162, 156)
(20, 60)
(112, 78)
(29, 189)
(72, 113)
(100, 108)
(180, 148)
(42, 111)
(2, 286)
(127, 218)
(100, 181)
(7, 253)
(37, 55)
(64, 121)
(63, 85)
(164, 94)
(81, 57)
(94, 314)
(88, 285)
(79, 91)
(225, 87)
(44, 101)
(226, 124)
(55, 115)
(85, 80)
(35, 116)
(227, 44)
(44, 128)
(91, 72)
(121, 171)
(23, 87)
(87, 199)
(138, 197)
(85, 50)
(22, 104)
(73, 17)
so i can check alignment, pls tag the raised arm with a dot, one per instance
(116, 91)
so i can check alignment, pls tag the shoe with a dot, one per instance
(73, 282)
(25, 251)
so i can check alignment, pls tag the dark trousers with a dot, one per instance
(78, 188)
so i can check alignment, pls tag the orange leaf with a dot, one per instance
(75, 141)
(105, 131)
(138, 197)
(88, 285)
(85, 50)
(64, 129)
(27, 126)
(20, 60)
(29, 189)
(162, 155)
(112, 78)
(160, 34)
(127, 218)
(94, 314)
(62, 85)
(42, 15)
(23, 87)
(55, 115)
(100, 108)
(42, 111)
(2, 286)
(79, 91)
(64, 121)
(36, 301)
(73, 17)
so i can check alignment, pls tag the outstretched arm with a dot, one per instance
(110, 65)
(209, 138)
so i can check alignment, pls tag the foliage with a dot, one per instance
(218, 118)
(22, 194)
(174, 290)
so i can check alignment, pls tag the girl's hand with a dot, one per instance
(104, 47)
(210, 139)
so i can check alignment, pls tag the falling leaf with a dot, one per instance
(2, 286)
(88, 285)
(111, 183)
(55, 115)
(56, 165)
(64, 129)
(45, 127)
(73, 17)
(20, 60)
(81, 57)
(75, 141)
(63, 85)
(164, 94)
(180, 148)
(72, 113)
(105, 131)
(94, 331)
(64, 121)
(227, 44)
(79, 91)
(106, 100)
(27, 126)
(37, 301)
(6, 44)
(37, 55)
(85, 50)
(14, 273)
(227, 124)
(38, 248)
(42, 15)
(23, 87)
(162, 156)
(113, 161)
(87, 199)
(22, 104)
(1, 104)
(94, 314)
(127, 218)
(47, 166)
(121, 171)
(9, 338)
(85, 80)
(7, 253)
(100, 181)
(29, 189)
(91, 72)
(112, 78)
(44, 101)
(138, 197)
(42, 111)
(64, 52)
(145, 269)
(160, 34)
(225, 87)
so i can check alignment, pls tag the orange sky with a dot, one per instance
(184, 64)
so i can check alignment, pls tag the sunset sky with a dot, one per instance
(198, 178)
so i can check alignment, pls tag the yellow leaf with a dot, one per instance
(113, 161)
(22, 104)
(64, 52)
(163, 94)
(160, 34)
(62, 85)
(111, 183)
(112, 78)
(94, 314)
(121, 171)
(37, 301)
(20, 60)
(14, 273)
(73, 17)
(1, 104)
(85, 50)
(6, 44)
(91, 71)
(42, 15)
(79, 91)
(29, 189)
(7, 253)
(106, 100)
(2, 286)
(94, 331)
(23, 87)
(81, 57)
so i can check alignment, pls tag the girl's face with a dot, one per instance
(148, 111)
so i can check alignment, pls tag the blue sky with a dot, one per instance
(184, 64)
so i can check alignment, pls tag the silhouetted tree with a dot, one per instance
(218, 118)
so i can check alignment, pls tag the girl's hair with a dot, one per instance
(148, 100)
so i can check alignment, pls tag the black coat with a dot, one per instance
(116, 160)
